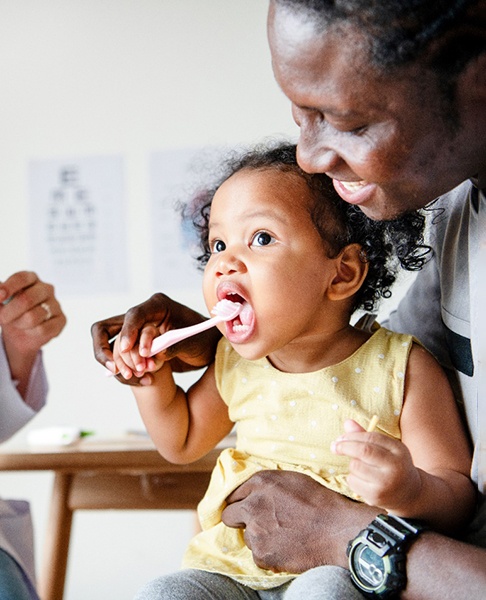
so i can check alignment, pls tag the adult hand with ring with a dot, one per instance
(47, 308)
(30, 316)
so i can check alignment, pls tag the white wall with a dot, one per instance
(126, 77)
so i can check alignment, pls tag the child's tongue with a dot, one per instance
(246, 314)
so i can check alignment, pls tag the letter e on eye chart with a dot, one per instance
(77, 224)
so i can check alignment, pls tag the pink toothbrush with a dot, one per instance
(225, 310)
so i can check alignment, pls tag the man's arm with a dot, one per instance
(292, 523)
(440, 568)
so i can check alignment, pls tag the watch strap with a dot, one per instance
(392, 533)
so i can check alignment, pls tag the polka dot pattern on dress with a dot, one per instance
(288, 417)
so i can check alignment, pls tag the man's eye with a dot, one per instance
(262, 238)
(217, 246)
(359, 130)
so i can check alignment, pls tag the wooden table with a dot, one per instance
(124, 474)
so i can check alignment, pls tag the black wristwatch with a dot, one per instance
(377, 556)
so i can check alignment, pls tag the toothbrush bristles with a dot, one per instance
(226, 309)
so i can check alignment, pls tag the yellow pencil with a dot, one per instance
(373, 423)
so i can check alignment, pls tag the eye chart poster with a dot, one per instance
(175, 175)
(78, 229)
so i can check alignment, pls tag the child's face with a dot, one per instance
(267, 254)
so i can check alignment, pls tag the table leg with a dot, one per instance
(53, 573)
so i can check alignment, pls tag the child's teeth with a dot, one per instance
(240, 328)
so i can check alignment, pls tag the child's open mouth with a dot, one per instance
(243, 322)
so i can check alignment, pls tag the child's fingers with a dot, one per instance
(373, 467)
(368, 489)
(370, 448)
(147, 336)
(125, 365)
(375, 438)
(374, 450)
(122, 368)
(366, 465)
(138, 364)
(378, 466)
(389, 486)
(124, 361)
(351, 426)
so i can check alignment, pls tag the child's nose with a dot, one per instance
(229, 263)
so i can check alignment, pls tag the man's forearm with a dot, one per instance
(440, 568)
(292, 523)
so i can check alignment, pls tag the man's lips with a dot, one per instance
(354, 192)
(353, 186)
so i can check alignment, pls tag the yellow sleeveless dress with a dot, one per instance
(288, 421)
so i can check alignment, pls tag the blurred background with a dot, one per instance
(123, 78)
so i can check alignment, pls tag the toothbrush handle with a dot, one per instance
(171, 337)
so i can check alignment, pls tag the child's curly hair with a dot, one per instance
(386, 245)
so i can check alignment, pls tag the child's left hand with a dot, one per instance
(381, 470)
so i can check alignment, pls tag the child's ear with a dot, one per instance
(351, 271)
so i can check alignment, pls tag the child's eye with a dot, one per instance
(217, 246)
(262, 238)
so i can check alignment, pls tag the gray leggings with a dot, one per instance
(321, 583)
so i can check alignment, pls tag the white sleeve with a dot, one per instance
(15, 412)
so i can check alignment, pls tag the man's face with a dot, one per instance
(382, 139)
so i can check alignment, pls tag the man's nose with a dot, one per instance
(315, 151)
(317, 160)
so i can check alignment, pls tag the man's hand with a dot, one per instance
(141, 324)
(292, 523)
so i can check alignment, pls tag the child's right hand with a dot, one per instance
(160, 313)
(129, 363)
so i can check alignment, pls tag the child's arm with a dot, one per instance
(426, 476)
(184, 426)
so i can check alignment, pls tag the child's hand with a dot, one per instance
(381, 470)
(130, 363)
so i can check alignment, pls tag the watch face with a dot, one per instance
(369, 567)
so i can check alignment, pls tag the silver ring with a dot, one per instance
(48, 310)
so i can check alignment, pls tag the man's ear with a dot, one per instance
(351, 271)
